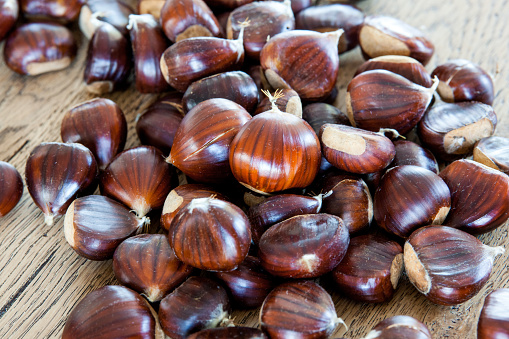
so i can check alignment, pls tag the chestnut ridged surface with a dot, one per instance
(493, 152)
(300, 309)
(96, 12)
(112, 312)
(319, 114)
(236, 86)
(202, 143)
(229, 333)
(63, 11)
(480, 196)
(210, 234)
(266, 19)
(248, 284)
(9, 11)
(463, 80)
(304, 246)
(447, 265)
(148, 43)
(305, 61)
(385, 35)
(146, 263)
(36, 48)
(56, 173)
(140, 178)
(354, 150)
(108, 63)
(330, 17)
(95, 225)
(288, 102)
(370, 270)
(199, 303)
(11, 187)
(409, 197)
(400, 327)
(450, 131)
(409, 153)
(100, 125)
(382, 99)
(494, 319)
(278, 208)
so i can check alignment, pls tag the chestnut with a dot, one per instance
(400, 326)
(409, 153)
(288, 102)
(493, 152)
(299, 5)
(96, 12)
(447, 265)
(319, 114)
(226, 4)
(9, 11)
(494, 319)
(36, 48)
(63, 11)
(463, 80)
(11, 187)
(228, 333)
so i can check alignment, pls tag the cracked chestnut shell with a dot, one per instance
(399, 327)
(494, 319)
(9, 11)
(493, 152)
(96, 12)
(63, 11)
(11, 187)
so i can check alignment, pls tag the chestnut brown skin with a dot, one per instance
(98, 124)
(370, 270)
(400, 327)
(289, 102)
(95, 225)
(199, 303)
(229, 333)
(472, 210)
(112, 312)
(319, 114)
(11, 187)
(494, 319)
(493, 152)
(36, 48)
(450, 131)
(447, 265)
(63, 11)
(384, 35)
(9, 11)
(409, 153)
(299, 5)
(56, 173)
(463, 80)
(331, 17)
(96, 12)
(218, 5)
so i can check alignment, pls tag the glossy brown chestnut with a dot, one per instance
(384, 35)
(462, 80)
(96, 12)
(199, 303)
(447, 265)
(266, 19)
(236, 86)
(100, 125)
(399, 327)
(479, 196)
(112, 312)
(450, 131)
(229, 333)
(370, 270)
(410, 197)
(140, 178)
(9, 11)
(288, 102)
(148, 43)
(319, 114)
(37, 48)
(56, 173)
(108, 61)
(405, 66)
(11, 187)
(210, 234)
(202, 143)
(226, 4)
(64, 11)
(304, 246)
(305, 61)
(300, 309)
(152, 7)
(494, 319)
(493, 152)
(146, 263)
(409, 153)
(95, 225)
(381, 99)
(354, 150)
(326, 18)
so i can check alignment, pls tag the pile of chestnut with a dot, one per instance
(263, 184)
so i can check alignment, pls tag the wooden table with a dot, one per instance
(42, 278)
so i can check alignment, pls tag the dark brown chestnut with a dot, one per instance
(409, 153)
(112, 312)
(100, 125)
(288, 102)
(63, 11)
(199, 303)
(9, 11)
(300, 309)
(447, 265)
(229, 333)
(493, 152)
(494, 319)
(56, 173)
(11, 187)
(152, 7)
(36, 48)
(479, 196)
(370, 270)
(399, 327)
(140, 178)
(96, 12)
(95, 225)
(384, 35)
(463, 80)
(450, 131)
(319, 114)
(299, 5)
(219, 5)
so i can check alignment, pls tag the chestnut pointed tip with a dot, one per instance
(495, 251)
(49, 219)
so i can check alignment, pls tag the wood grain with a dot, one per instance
(42, 278)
